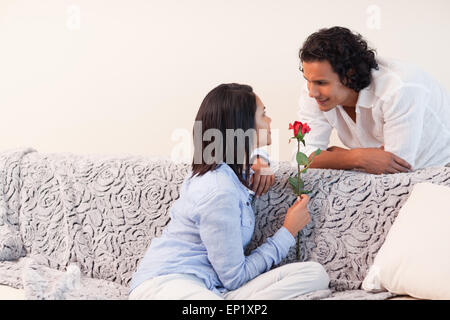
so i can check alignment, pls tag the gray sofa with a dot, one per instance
(76, 226)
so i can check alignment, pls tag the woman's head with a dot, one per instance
(230, 123)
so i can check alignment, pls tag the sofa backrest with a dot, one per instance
(102, 212)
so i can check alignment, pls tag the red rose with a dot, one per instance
(303, 127)
(296, 127)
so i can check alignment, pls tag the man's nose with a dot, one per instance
(313, 91)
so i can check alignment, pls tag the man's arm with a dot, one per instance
(336, 158)
(370, 160)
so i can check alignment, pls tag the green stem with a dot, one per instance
(298, 194)
(298, 170)
(304, 169)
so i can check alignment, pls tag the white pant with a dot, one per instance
(281, 283)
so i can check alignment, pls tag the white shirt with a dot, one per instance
(403, 109)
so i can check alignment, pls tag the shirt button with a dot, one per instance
(248, 203)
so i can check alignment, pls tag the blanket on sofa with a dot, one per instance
(76, 226)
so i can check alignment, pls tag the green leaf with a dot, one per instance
(315, 153)
(304, 191)
(302, 184)
(293, 181)
(294, 184)
(302, 159)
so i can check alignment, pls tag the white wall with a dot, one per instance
(92, 76)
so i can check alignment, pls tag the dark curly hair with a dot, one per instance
(347, 52)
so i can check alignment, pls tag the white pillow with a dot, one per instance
(415, 256)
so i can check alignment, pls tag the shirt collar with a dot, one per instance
(236, 180)
(366, 97)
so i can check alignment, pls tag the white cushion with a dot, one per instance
(415, 257)
(9, 293)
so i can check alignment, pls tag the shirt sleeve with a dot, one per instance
(262, 152)
(319, 136)
(404, 122)
(220, 231)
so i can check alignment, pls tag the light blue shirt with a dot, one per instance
(211, 224)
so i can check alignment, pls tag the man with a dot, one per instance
(392, 116)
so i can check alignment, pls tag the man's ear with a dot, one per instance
(348, 76)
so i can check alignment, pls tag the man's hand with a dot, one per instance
(263, 178)
(378, 161)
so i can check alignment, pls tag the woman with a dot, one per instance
(200, 254)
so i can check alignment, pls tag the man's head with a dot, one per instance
(336, 64)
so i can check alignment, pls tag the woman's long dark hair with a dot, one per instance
(228, 106)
